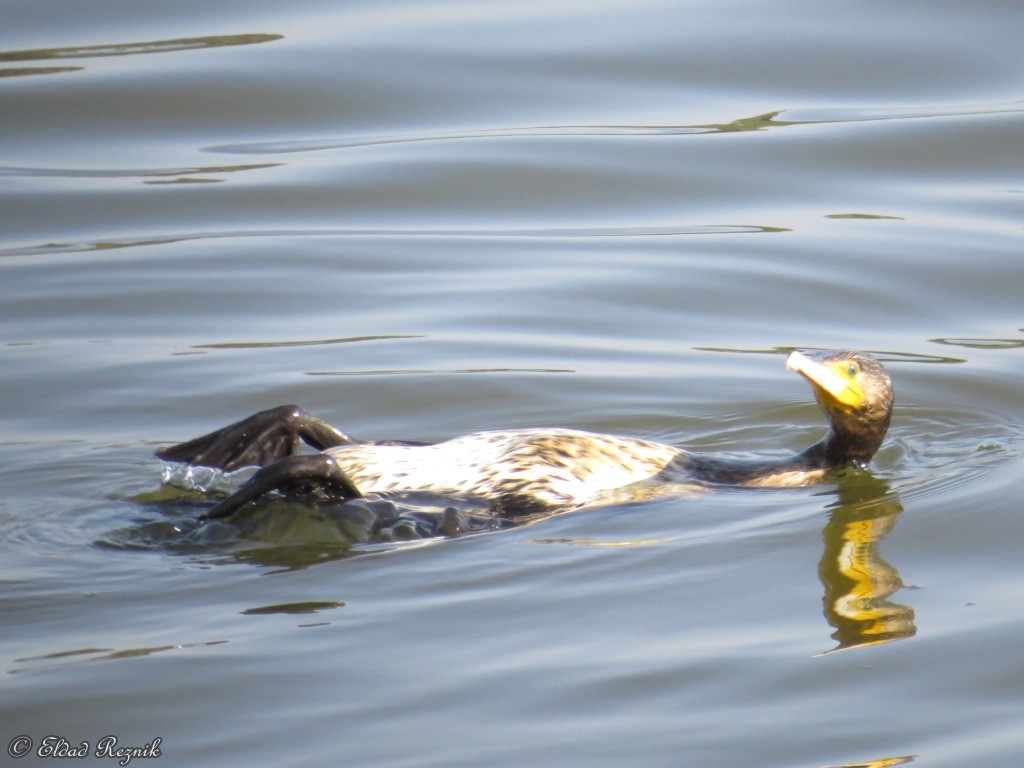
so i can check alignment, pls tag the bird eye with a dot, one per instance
(853, 370)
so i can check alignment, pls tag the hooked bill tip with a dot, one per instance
(796, 361)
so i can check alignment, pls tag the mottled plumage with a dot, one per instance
(556, 467)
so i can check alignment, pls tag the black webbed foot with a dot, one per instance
(258, 440)
(318, 478)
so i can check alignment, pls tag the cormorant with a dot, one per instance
(523, 471)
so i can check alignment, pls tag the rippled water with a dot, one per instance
(418, 220)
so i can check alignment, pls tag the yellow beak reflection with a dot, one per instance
(837, 382)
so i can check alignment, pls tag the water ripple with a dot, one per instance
(886, 356)
(41, 249)
(759, 122)
(305, 342)
(980, 343)
(933, 454)
(130, 49)
(130, 173)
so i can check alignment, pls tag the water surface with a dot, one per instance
(421, 219)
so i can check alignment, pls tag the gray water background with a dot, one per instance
(420, 219)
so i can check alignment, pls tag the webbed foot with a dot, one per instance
(320, 477)
(258, 440)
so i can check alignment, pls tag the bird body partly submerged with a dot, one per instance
(555, 467)
(524, 470)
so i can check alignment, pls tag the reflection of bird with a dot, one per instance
(858, 581)
(885, 762)
(535, 470)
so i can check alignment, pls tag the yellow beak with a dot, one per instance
(828, 380)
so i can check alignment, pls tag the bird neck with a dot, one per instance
(855, 444)
(832, 452)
